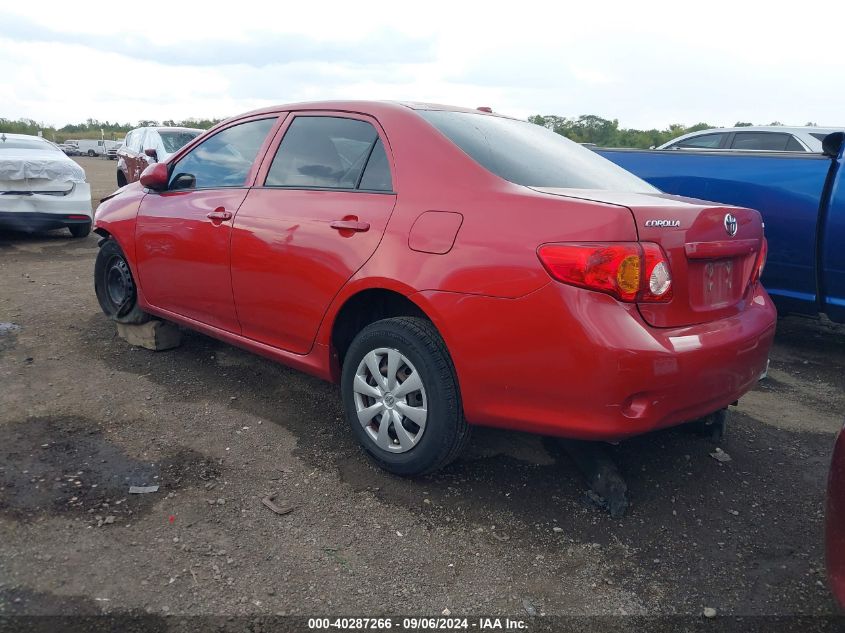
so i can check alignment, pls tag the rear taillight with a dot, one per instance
(761, 261)
(629, 271)
(657, 280)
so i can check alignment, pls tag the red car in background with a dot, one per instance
(144, 146)
(835, 521)
(447, 267)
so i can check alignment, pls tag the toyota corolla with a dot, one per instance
(448, 268)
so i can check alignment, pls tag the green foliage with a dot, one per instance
(92, 128)
(589, 128)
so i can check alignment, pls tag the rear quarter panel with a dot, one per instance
(495, 250)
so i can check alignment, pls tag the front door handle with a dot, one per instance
(219, 215)
(350, 225)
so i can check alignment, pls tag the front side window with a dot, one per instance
(324, 153)
(174, 141)
(704, 141)
(224, 160)
(763, 141)
(531, 155)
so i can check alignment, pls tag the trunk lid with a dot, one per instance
(711, 268)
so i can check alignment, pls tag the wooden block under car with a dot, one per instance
(155, 335)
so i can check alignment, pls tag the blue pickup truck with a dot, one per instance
(800, 196)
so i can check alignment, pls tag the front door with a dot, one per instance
(321, 212)
(182, 234)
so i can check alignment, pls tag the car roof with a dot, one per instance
(364, 107)
(166, 128)
(23, 136)
(772, 128)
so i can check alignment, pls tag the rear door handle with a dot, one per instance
(350, 225)
(219, 215)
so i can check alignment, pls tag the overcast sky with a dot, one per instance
(645, 63)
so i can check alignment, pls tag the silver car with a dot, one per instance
(762, 138)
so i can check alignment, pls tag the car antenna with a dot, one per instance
(485, 109)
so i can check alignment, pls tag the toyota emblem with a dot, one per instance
(731, 225)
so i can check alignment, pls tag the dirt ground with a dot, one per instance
(506, 530)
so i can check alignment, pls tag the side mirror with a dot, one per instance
(155, 177)
(832, 144)
(151, 153)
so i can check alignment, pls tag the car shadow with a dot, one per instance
(757, 517)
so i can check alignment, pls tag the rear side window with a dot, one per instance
(25, 143)
(704, 141)
(377, 173)
(529, 154)
(224, 160)
(793, 145)
(329, 153)
(761, 141)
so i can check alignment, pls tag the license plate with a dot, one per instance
(719, 281)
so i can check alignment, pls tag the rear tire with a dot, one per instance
(92, 153)
(409, 348)
(80, 230)
(115, 286)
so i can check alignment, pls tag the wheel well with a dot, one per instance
(368, 307)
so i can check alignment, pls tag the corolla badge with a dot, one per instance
(663, 223)
(731, 225)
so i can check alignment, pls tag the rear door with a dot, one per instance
(319, 208)
(182, 234)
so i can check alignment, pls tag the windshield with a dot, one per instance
(174, 141)
(25, 143)
(531, 155)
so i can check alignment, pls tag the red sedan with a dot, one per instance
(448, 267)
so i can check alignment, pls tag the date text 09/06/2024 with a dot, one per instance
(417, 623)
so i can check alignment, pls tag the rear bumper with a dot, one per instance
(44, 212)
(573, 363)
(41, 221)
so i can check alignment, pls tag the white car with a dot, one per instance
(41, 188)
(765, 138)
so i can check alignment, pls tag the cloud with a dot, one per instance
(255, 48)
(645, 64)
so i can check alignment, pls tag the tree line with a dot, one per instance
(587, 128)
(92, 128)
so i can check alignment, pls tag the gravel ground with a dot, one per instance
(505, 530)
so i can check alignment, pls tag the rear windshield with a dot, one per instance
(23, 143)
(176, 140)
(531, 155)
